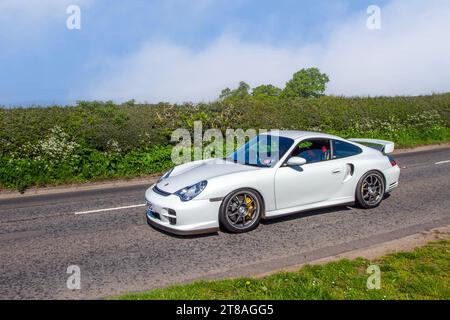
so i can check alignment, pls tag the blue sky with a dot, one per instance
(187, 50)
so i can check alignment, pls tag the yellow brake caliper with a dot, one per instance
(248, 200)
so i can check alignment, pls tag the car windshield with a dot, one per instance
(262, 151)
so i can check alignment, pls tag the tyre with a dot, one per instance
(241, 211)
(370, 190)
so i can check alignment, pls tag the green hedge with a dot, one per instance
(97, 140)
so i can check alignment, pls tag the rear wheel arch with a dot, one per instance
(358, 196)
(381, 173)
(377, 171)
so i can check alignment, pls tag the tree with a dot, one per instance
(130, 103)
(266, 91)
(306, 83)
(240, 92)
(225, 93)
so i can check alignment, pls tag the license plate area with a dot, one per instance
(156, 212)
(151, 211)
(153, 214)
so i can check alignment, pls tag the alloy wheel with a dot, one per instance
(243, 210)
(372, 189)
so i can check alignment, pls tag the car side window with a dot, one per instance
(343, 149)
(313, 150)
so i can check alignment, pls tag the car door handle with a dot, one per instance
(336, 170)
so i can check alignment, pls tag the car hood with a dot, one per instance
(204, 170)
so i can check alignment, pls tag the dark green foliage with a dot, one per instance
(83, 165)
(240, 92)
(306, 83)
(266, 91)
(98, 140)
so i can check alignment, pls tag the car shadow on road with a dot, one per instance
(304, 214)
(189, 236)
(268, 221)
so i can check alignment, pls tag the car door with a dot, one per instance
(316, 181)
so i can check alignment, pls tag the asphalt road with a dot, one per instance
(117, 252)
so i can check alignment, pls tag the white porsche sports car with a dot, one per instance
(273, 174)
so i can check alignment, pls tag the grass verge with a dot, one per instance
(421, 274)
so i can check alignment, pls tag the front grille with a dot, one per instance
(161, 192)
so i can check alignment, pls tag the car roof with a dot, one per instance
(296, 134)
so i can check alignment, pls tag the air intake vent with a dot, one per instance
(172, 220)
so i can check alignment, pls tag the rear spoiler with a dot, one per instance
(381, 145)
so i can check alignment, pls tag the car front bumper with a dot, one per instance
(172, 215)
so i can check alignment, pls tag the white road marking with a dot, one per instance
(111, 209)
(442, 162)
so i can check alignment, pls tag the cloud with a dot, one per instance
(408, 56)
(167, 72)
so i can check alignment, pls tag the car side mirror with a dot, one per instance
(296, 161)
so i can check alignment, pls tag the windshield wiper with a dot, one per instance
(245, 164)
(252, 165)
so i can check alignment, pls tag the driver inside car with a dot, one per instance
(313, 151)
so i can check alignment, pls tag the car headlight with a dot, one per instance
(165, 175)
(191, 192)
